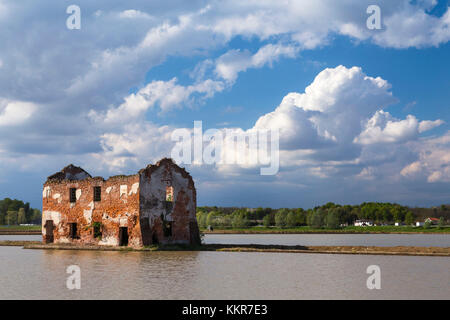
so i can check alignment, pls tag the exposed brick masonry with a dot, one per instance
(156, 205)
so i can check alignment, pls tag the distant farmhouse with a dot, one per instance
(432, 220)
(155, 206)
(363, 223)
(429, 220)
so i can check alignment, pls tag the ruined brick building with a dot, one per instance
(155, 206)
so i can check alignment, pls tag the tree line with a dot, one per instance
(330, 215)
(15, 212)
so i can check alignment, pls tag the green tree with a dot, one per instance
(28, 212)
(441, 223)
(210, 219)
(11, 218)
(8, 204)
(409, 218)
(225, 221)
(368, 211)
(267, 221)
(21, 216)
(291, 219)
(259, 213)
(2, 218)
(37, 216)
(332, 219)
(318, 218)
(329, 205)
(280, 218)
(301, 216)
(387, 215)
(398, 214)
(379, 214)
(239, 221)
(353, 215)
(201, 219)
(309, 216)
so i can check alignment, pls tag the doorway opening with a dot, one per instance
(123, 236)
(97, 230)
(155, 238)
(72, 230)
(48, 231)
(167, 228)
(146, 232)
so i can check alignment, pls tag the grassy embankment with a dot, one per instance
(20, 228)
(11, 230)
(343, 230)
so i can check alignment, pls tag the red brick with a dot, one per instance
(137, 202)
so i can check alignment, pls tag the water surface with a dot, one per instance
(20, 237)
(384, 240)
(41, 274)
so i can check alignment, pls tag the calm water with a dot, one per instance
(41, 274)
(385, 240)
(21, 237)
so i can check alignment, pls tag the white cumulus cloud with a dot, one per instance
(383, 128)
(166, 94)
(231, 63)
(13, 113)
(433, 164)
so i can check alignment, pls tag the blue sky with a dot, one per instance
(419, 78)
(363, 114)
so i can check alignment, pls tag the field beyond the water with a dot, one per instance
(343, 230)
(33, 230)
(20, 230)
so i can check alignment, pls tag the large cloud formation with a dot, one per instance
(338, 122)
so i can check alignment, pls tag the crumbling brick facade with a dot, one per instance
(155, 206)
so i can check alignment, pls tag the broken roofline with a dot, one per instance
(70, 172)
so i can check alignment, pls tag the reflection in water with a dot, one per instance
(123, 274)
(41, 274)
